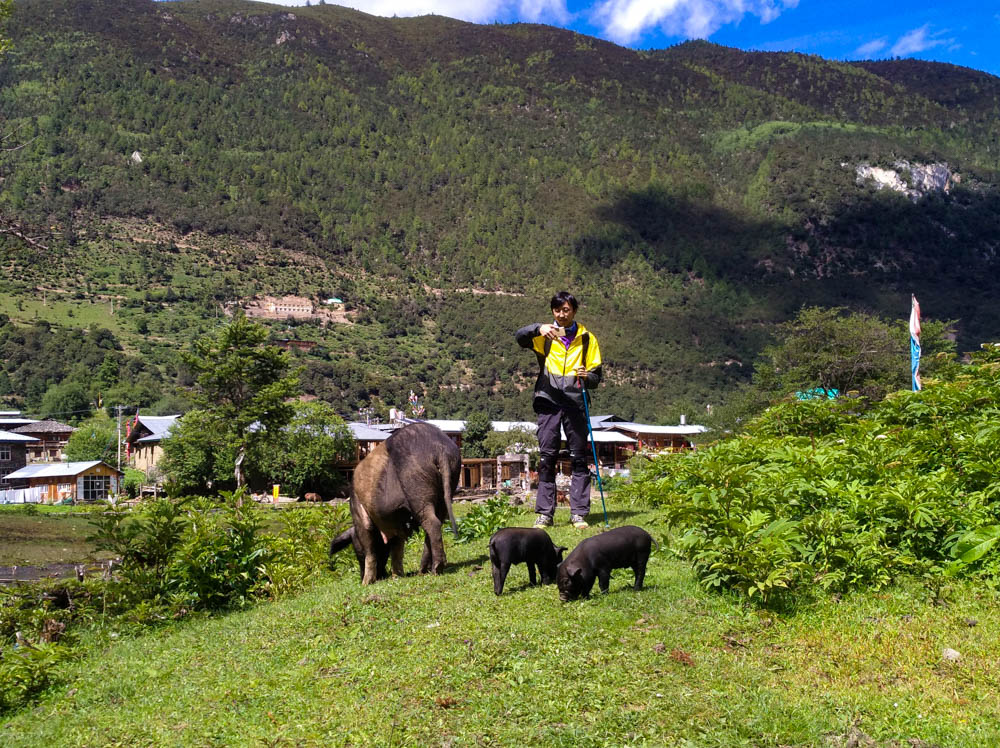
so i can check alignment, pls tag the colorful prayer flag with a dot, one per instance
(915, 343)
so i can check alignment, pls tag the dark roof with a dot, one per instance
(43, 427)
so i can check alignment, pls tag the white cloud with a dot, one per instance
(871, 48)
(918, 40)
(625, 21)
(543, 11)
(475, 11)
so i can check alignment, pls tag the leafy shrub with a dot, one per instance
(611, 483)
(301, 550)
(196, 554)
(133, 481)
(29, 510)
(828, 495)
(485, 519)
(145, 542)
(28, 670)
(222, 556)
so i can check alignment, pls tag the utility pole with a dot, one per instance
(118, 408)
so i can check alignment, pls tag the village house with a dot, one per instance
(13, 457)
(290, 344)
(366, 438)
(281, 307)
(51, 483)
(293, 306)
(144, 442)
(11, 419)
(650, 438)
(52, 437)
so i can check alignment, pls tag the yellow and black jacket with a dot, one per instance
(557, 364)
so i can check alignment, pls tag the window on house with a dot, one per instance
(4, 453)
(96, 487)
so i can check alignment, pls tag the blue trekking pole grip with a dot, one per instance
(593, 448)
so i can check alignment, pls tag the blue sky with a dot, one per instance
(963, 32)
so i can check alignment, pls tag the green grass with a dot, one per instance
(67, 312)
(441, 660)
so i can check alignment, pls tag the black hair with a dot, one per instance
(561, 298)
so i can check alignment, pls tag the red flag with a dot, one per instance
(128, 432)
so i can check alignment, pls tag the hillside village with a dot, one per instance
(34, 469)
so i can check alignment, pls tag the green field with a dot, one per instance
(442, 661)
(38, 535)
(31, 536)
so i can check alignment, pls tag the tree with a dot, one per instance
(242, 391)
(66, 401)
(107, 374)
(6, 8)
(477, 427)
(197, 455)
(314, 441)
(836, 350)
(516, 441)
(94, 439)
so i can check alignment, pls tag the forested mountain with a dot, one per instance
(169, 159)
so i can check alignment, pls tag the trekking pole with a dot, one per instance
(593, 448)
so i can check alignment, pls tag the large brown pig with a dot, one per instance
(404, 483)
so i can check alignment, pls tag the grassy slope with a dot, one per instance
(422, 660)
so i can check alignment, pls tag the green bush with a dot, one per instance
(133, 481)
(196, 554)
(301, 549)
(485, 519)
(221, 558)
(28, 670)
(830, 495)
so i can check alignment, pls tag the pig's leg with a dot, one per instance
(396, 547)
(640, 572)
(500, 576)
(604, 579)
(433, 541)
(425, 556)
(531, 573)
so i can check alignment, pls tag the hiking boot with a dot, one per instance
(578, 522)
(543, 520)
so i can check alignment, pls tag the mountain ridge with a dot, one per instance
(694, 196)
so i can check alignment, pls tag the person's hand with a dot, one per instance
(581, 371)
(549, 331)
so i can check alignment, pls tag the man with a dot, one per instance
(569, 359)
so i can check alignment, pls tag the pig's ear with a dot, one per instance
(577, 574)
(561, 549)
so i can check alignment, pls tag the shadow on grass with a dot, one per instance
(615, 517)
(525, 586)
(614, 591)
(454, 566)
